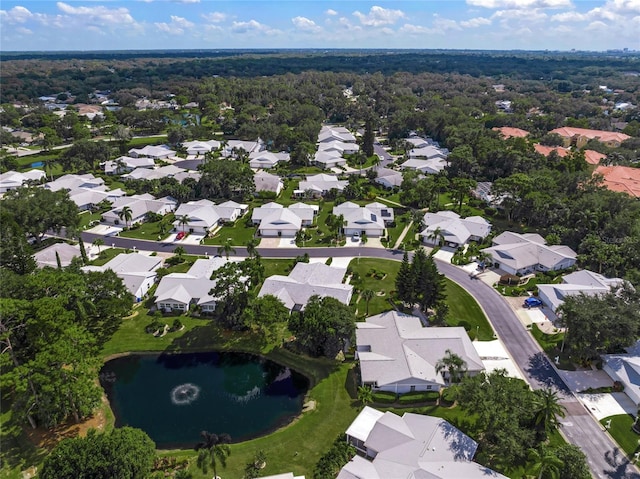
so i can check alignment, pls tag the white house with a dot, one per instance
(626, 369)
(89, 198)
(410, 446)
(370, 219)
(47, 256)
(429, 167)
(177, 291)
(265, 160)
(125, 164)
(388, 178)
(428, 151)
(201, 216)
(230, 211)
(449, 229)
(268, 183)
(307, 280)
(321, 183)
(230, 150)
(328, 159)
(517, 253)
(580, 282)
(11, 180)
(168, 171)
(156, 152)
(72, 182)
(139, 205)
(199, 148)
(330, 133)
(137, 271)
(275, 220)
(339, 147)
(398, 354)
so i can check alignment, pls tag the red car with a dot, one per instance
(180, 235)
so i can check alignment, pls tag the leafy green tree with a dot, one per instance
(330, 463)
(83, 252)
(324, 327)
(462, 188)
(213, 451)
(183, 221)
(368, 138)
(232, 296)
(545, 463)
(98, 242)
(15, 251)
(574, 462)
(252, 245)
(405, 281)
(548, 409)
(454, 365)
(123, 453)
(226, 179)
(266, 312)
(179, 251)
(428, 286)
(365, 395)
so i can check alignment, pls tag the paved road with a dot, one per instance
(385, 157)
(605, 459)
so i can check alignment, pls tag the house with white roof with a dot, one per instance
(156, 152)
(330, 133)
(168, 171)
(201, 215)
(125, 164)
(626, 369)
(370, 219)
(72, 182)
(200, 148)
(339, 147)
(232, 147)
(388, 178)
(307, 280)
(580, 282)
(410, 446)
(397, 354)
(137, 271)
(428, 152)
(432, 166)
(89, 198)
(139, 205)
(265, 160)
(177, 291)
(275, 220)
(65, 251)
(321, 183)
(230, 211)
(266, 182)
(517, 253)
(328, 159)
(183, 175)
(11, 180)
(449, 229)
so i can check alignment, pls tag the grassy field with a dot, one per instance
(621, 431)
(147, 231)
(238, 233)
(551, 344)
(382, 286)
(465, 311)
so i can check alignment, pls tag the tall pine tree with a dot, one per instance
(405, 282)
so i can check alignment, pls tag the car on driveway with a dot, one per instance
(356, 237)
(180, 235)
(532, 303)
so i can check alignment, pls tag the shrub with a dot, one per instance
(419, 396)
(153, 327)
(384, 397)
(177, 324)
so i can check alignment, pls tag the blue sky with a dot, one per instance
(209, 24)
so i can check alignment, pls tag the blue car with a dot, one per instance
(532, 303)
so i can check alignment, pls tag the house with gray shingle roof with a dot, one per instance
(370, 219)
(152, 151)
(140, 205)
(47, 256)
(265, 159)
(321, 183)
(307, 280)
(275, 220)
(626, 369)
(410, 446)
(454, 230)
(388, 178)
(11, 180)
(197, 148)
(397, 354)
(267, 182)
(125, 164)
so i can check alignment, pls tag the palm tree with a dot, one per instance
(365, 395)
(213, 450)
(547, 409)
(482, 257)
(184, 221)
(179, 251)
(454, 365)
(363, 239)
(226, 249)
(98, 242)
(367, 295)
(437, 236)
(545, 462)
(126, 214)
(251, 247)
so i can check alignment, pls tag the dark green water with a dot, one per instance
(173, 397)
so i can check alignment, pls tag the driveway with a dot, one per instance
(605, 405)
(578, 381)
(494, 356)
(105, 230)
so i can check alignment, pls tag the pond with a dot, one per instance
(37, 164)
(173, 397)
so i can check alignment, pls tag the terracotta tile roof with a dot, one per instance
(593, 157)
(606, 136)
(546, 150)
(623, 179)
(509, 132)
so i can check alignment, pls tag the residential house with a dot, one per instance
(168, 171)
(265, 159)
(11, 180)
(449, 229)
(137, 271)
(428, 152)
(329, 159)
(623, 179)
(230, 211)
(591, 156)
(580, 282)
(520, 254)
(397, 354)
(139, 205)
(125, 164)
(410, 446)
(201, 216)
(72, 182)
(331, 133)
(184, 175)
(625, 368)
(47, 256)
(178, 291)
(307, 280)
(266, 182)
(370, 219)
(428, 167)
(275, 220)
(509, 132)
(580, 136)
(388, 178)
(200, 148)
(231, 149)
(156, 152)
(320, 184)
(339, 147)
(88, 198)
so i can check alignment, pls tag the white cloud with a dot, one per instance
(305, 25)
(331, 12)
(519, 4)
(379, 16)
(17, 14)
(624, 6)
(215, 17)
(251, 27)
(443, 25)
(24, 31)
(98, 15)
(597, 26)
(177, 25)
(410, 29)
(475, 22)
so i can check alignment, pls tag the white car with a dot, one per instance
(356, 237)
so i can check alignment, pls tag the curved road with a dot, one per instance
(605, 459)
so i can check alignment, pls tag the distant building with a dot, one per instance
(580, 136)
(623, 179)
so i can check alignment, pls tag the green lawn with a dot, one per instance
(87, 217)
(551, 344)
(138, 142)
(465, 311)
(148, 231)
(621, 431)
(106, 255)
(238, 233)
(320, 235)
(276, 266)
(382, 287)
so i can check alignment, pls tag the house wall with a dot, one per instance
(409, 385)
(144, 288)
(633, 394)
(172, 306)
(269, 233)
(371, 233)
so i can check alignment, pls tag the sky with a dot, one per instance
(220, 24)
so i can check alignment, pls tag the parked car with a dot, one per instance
(532, 302)
(180, 235)
(356, 237)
